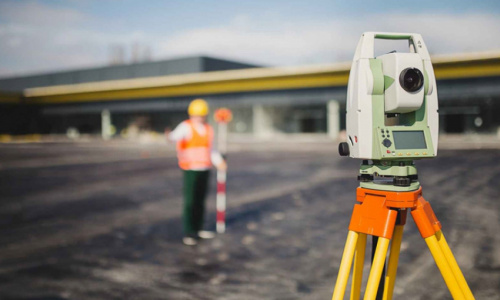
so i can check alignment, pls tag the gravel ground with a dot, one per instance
(102, 221)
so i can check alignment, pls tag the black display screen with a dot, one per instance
(409, 140)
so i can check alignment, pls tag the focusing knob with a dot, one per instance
(344, 149)
(387, 143)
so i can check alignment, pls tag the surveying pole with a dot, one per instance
(222, 116)
(392, 120)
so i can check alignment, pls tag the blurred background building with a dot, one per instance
(121, 77)
(266, 101)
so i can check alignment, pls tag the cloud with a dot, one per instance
(37, 14)
(318, 42)
(37, 37)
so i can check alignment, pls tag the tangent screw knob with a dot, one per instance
(344, 149)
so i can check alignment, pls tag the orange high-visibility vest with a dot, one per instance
(195, 152)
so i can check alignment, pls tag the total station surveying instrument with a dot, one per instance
(392, 120)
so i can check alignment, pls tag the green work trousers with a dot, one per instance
(195, 192)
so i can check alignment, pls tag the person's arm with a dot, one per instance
(180, 132)
(218, 161)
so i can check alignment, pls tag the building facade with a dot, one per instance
(265, 102)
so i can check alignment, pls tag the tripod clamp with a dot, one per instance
(389, 175)
(378, 174)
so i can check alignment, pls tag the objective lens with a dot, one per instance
(411, 79)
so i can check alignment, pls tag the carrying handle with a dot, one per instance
(393, 36)
(365, 48)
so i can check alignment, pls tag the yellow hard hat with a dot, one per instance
(198, 107)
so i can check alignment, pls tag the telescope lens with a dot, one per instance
(411, 79)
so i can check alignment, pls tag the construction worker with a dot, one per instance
(195, 154)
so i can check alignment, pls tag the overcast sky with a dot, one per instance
(41, 36)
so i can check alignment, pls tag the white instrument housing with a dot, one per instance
(375, 93)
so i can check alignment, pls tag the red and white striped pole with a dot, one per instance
(221, 201)
(222, 116)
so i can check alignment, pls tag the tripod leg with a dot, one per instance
(430, 229)
(392, 265)
(454, 265)
(381, 284)
(357, 273)
(377, 266)
(444, 267)
(345, 266)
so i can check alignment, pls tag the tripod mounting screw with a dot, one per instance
(344, 149)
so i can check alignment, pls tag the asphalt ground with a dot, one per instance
(102, 220)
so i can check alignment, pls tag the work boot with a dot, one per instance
(204, 234)
(189, 241)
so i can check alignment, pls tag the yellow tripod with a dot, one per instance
(383, 214)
